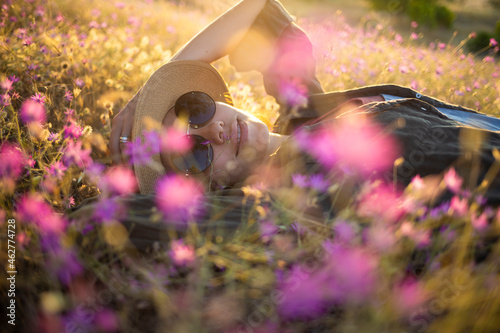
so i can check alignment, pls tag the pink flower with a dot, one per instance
(120, 180)
(6, 84)
(57, 170)
(175, 140)
(381, 238)
(12, 161)
(414, 24)
(480, 222)
(72, 130)
(381, 203)
(408, 296)
(439, 70)
(39, 98)
(182, 254)
(139, 154)
(179, 197)
(404, 69)
(352, 144)
(453, 181)
(441, 46)
(458, 206)
(304, 294)
(293, 92)
(74, 154)
(32, 208)
(32, 112)
(344, 232)
(493, 42)
(414, 36)
(68, 95)
(352, 274)
(300, 180)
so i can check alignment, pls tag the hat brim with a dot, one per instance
(158, 96)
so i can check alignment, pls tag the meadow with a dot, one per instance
(385, 263)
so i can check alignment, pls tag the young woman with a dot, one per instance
(230, 146)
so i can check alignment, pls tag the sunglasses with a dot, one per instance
(197, 108)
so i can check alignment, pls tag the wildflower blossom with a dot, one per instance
(303, 294)
(33, 209)
(452, 180)
(12, 159)
(74, 154)
(32, 112)
(57, 170)
(182, 254)
(179, 197)
(293, 93)
(39, 98)
(120, 180)
(408, 296)
(72, 130)
(300, 180)
(6, 84)
(318, 182)
(139, 153)
(108, 210)
(493, 42)
(480, 222)
(68, 95)
(382, 203)
(175, 140)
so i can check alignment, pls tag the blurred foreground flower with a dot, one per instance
(13, 160)
(382, 203)
(179, 197)
(32, 209)
(182, 254)
(120, 180)
(32, 112)
(355, 145)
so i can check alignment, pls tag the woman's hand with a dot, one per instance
(121, 127)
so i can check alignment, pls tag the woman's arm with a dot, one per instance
(221, 36)
(215, 41)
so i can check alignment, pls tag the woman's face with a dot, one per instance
(239, 141)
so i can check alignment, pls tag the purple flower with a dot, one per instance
(453, 180)
(300, 180)
(72, 130)
(66, 265)
(344, 232)
(303, 294)
(120, 180)
(318, 182)
(57, 170)
(139, 154)
(267, 228)
(32, 112)
(68, 95)
(108, 210)
(74, 154)
(39, 98)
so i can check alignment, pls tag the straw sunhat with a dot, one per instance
(158, 97)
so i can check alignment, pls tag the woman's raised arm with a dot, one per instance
(221, 36)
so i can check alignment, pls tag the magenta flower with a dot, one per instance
(57, 170)
(381, 203)
(108, 210)
(293, 93)
(120, 180)
(74, 154)
(68, 95)
(452, 180)
(138, 153)
(175, 140)
(32, 208)
(12, 159)
(480, 222)
(39, 98)
(300, 180)
(352, 274)
(179, 197)
(72, 130)
(32, 112)
(408, 296)
(354, 144)
(345, 232)
(318, 182)
(493, 42)
(6, 84)
(303, 294)
(182, 254)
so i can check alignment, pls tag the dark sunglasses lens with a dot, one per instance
(196, 106)
(197, 159)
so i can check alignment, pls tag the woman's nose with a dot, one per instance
(213, 132)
